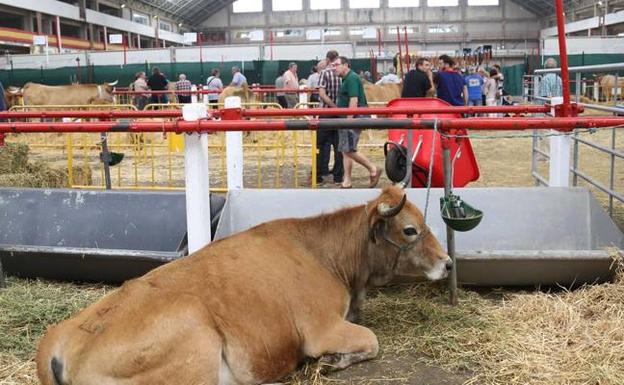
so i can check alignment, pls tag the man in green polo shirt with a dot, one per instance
(351, 95)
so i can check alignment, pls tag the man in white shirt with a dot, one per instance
(313, 82)
(237, 77)
(214, 83)
(291, 82)
(390, 77)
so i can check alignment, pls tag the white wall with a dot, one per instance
(590, 45)
(306, 51)
(221, 53)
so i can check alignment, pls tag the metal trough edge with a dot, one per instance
(568, 268)
(147, 255)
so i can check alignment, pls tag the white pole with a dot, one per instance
(234, 150)
(197, 185)
(205, 96)
(303, 97)
(559, 154)
(193, 94)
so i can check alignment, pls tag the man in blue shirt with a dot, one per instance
(451, 86)
(474, 83)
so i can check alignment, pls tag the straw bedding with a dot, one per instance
(496, 337)
(17, 171)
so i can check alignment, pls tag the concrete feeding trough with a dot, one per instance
(84, 235)
(528, 236)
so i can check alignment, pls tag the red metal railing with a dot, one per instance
(217, 91)
(442, 124)
(274, 112)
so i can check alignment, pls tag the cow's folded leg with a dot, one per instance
(332, 362)
(345, 344)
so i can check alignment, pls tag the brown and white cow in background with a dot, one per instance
(381, 93)
(12, 96)
(609, 89)
(242, 91)
(249, 308)
(35, 94)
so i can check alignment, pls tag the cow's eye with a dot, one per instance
(410, 230)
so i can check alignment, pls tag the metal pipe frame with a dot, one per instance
(591, 68)
(563, 56)
(447, 124)
(216, 91)
(176, 113)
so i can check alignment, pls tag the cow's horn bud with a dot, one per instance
(113, 83)
(387, 211)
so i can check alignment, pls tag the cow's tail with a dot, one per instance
(51, 369)
(57, 371)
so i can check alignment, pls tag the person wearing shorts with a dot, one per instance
(351, 95)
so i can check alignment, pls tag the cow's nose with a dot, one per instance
(448, 265)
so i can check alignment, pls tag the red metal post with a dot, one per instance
(407, 55)
(200, 43)
(124, 43)
(105, 39)
(400, 53)
(77, 70)
(563, 55)
(59, 45)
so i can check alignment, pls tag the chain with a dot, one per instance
(435, 131)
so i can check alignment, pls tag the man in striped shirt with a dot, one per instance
(181, 86)
(329, 83)
(551, 84)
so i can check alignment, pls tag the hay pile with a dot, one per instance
(28, 307)
(501, 337)
(537, 338)
(17, 171)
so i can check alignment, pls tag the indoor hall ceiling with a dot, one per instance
(546, 8)
(193, 12)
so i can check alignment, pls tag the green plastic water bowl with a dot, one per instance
(459, 215)
(114, 158)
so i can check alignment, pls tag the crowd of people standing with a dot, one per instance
(339, 86)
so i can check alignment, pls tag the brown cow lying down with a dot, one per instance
(249, 308)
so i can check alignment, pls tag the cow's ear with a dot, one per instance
(375, 221)
(373, 231)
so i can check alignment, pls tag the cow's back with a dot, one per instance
(76, 94)
(382, 93)
(255, 296)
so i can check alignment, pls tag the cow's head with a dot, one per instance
(11, 96)
(398, 230)
(107, 89)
